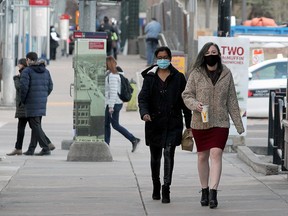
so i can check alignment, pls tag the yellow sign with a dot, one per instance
(179, 62)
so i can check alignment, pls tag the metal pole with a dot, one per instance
(224, 18)
(207, 17)
(81, 17)
(20, 30)
(87, 19)
(193, 49)
(92, 12)
(244, 14)
(8, 60)
(30, 28)
(48, 36)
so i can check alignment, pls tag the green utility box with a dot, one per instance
(89, 86)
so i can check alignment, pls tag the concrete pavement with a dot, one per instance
(50, 185)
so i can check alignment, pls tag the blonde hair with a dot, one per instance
(109, 64)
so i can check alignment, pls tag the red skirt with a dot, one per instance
(210, 138)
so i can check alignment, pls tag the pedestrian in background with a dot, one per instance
(161, 107)
(35, 86)
(211, 83)
(22, 119)
(114, 104)
(108, 28)
(33, 144)
(20, 112)
(54, 38)
(115, 38)
(152, 31)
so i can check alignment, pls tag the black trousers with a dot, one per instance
(38, 133)
(22, 122)
(155, 163)
(53, 51)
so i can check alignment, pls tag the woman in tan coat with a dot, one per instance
(211, 83)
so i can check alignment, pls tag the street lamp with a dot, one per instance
(224, 18)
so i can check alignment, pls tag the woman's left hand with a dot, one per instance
(199, 107)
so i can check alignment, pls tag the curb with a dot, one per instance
(247, 156)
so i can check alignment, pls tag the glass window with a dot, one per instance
(272, 71)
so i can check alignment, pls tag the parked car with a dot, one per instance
(263, 77)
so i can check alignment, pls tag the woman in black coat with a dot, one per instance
(161, 107)
(20, 112)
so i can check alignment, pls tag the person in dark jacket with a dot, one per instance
(20, 112)
(35, 85)
(162, 108)
(22, 120)
(54, 38)
(108, 28)
(33, 145)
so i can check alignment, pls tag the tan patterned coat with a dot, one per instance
(221, 98)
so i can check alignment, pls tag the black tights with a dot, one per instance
(155, 163)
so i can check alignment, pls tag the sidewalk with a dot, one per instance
(50, 185)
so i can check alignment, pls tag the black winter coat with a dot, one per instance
(165, 107)
(20, 108)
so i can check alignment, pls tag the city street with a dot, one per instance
(51, 185)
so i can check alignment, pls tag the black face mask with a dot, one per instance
(211, 60)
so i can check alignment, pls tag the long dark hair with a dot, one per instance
(200, 58)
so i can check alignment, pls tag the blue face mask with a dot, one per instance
(163, 63)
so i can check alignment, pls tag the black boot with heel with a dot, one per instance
(156, 190)
(165, 194)
(205, 197)
(213, 198)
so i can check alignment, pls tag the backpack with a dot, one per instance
(126, 89)
(107, 29)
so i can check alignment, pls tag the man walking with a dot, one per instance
(108, 28)
(152, 31)
(36, 84)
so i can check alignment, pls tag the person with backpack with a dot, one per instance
(108, 28)
(114, 104)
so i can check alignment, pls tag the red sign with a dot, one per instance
(64, 16)
(96, 45)
(39, 2)
(78, 34)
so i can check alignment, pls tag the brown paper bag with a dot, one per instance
(187, 142)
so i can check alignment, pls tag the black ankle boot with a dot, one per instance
(205, 197)
(165, 194)
(156, 190)
(213, 198)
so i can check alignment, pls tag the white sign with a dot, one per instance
(235, 55)
(64, 29)
(39, 21)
